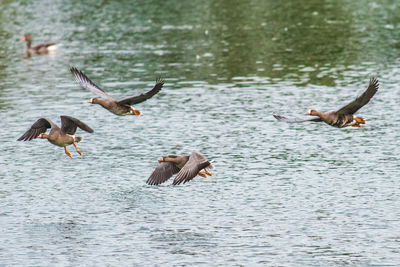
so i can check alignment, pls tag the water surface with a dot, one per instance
(280, 195)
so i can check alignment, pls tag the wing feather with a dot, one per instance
(69, 125)
(162, 173)
(195, 163)
(362, 100)
(284, 119)
(39, 46)
(86, 83)
(40, 126)
(143, 97)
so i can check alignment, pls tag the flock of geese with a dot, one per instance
(186, 167)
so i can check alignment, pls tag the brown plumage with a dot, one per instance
(344, 116)
(38, 49)
(120, 107)
(186, 167)
(63, 136)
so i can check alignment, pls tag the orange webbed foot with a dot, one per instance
(135, 112)
(66, 152)
(202, 174)
(356, 125)
(362, 121)
(207, 172)
(77, 150)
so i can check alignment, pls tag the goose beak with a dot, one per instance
(23, 39)
(90, 101)
(307, 113)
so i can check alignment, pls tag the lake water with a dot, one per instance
(280, 195)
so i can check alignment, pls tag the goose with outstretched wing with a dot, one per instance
(185, 167)
(62, 137)
(118, 107)
(344, 116)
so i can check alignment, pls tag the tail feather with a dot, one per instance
(53, 47)
(77, 139)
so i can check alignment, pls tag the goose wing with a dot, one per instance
(363, 99)
(39, 46)
(162, 173)
(86, 83)
(39, 127)
(195, 163)
(284, 119)
(143, 97)
(69, 125)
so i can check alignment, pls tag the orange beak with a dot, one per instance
(23, 38)
(307, 113)
(90, 101)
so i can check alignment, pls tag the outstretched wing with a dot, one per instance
(86, 83)
(284, 119)
(69, 125)
(363, 99)
(143, 97)
(40, 126)
(162, 173)
(195, 163)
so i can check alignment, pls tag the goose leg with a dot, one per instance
(66, 152)
(207, 172)
(362, 121)
(202, 174)
(356, 125)
(135, 112)
(77, 150)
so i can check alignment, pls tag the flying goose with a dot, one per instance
(344, 116)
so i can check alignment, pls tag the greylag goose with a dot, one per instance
(38, 49)
(186, 167)
(63, 136)
(344, 116)
(120, 107)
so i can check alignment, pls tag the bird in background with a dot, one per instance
(62, 137)
(344, 116)
(118, 107)
(186, 167)
(37, 49)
